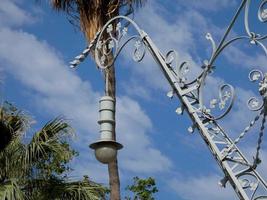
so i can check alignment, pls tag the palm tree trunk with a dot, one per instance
(93, 15)
(114, 180)
(90, 26)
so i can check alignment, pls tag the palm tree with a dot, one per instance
(12, 123)
(92, 15)
(37, 170)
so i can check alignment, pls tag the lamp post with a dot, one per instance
(238, 170)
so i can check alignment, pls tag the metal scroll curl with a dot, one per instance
(251, 183)
(261, 198)
(113, 37)
(223, 103)
(171, 59)
(262, 12)
(180, 70)
(255, 104)
(183, 70)
(226, 97)
(140, 50)
(256, 38)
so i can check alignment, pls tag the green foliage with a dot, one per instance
(143, 189)
(11, 190)
(12, 123)
(38, 169)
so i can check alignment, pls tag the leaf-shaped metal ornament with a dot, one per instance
(109, 28)
(139, 51)
(124, 31)
(213, 103)
(110, 44)
(170, 94)
(118, 26)
(191, 129)
(179, 110)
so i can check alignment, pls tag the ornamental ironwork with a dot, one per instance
(239, 171)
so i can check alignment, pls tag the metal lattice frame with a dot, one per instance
(241, 174)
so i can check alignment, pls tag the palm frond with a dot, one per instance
(132, 5)
(64, 5)
(10, 165)
(10, 190)
(44, 157)
(137, 3)
(48, 148)
(91, 15)
(13, 122)
(62, 190)
(47, 141)
(79, 191)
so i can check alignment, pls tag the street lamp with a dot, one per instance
(241, 173)
(106, 148)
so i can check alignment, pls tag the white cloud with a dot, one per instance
(184, 34)
(57, 90)
(37, 66)
(210, 5)
(137, 90)
(133, 135)
(170, 35)
(12, 15)
(242, 57)
(239, 112)
(204, 187)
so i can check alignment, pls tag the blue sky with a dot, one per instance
(37, 43)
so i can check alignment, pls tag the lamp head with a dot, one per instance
(106, 151)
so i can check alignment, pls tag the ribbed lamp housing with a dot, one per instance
(106, 148)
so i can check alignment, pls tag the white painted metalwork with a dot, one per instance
(106, 148)
(238, 170)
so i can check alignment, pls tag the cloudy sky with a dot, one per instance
(37, 43)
